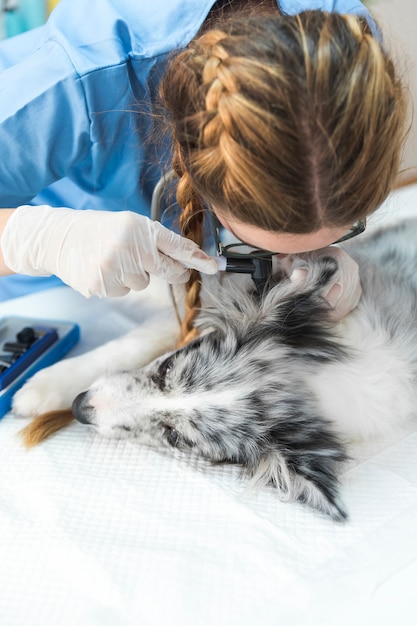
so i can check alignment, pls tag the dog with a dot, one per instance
(271, 383)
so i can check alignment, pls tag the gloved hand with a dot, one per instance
(98, 252)
(343, 291)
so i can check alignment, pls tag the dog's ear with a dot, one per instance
(308, 476)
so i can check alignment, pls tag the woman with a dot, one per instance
(288, 126)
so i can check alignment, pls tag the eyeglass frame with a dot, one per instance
(224, 249)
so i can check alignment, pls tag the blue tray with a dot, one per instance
(54, 340)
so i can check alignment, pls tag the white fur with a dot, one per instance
(56, 387)
(373, 392)
(273, 384)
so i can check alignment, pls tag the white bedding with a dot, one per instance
(105, 533)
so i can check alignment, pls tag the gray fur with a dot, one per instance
(256, 388)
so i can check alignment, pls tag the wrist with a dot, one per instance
(5, 215)
(26, 237)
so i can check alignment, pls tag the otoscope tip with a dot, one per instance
(221, 263)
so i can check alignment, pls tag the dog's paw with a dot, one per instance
(53, 388)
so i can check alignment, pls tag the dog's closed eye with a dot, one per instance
(171, 435)
(159, 376)
(122, 427)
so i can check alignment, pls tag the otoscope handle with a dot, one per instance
(240, 266)
(259, 268)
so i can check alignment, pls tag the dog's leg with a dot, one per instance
(55, 387)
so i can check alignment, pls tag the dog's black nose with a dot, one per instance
(81, 409)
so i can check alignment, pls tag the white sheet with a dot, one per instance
(104, 533)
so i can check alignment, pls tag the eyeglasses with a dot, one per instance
(235, 250)
(357, 228)
(241, 250)
(240, 257)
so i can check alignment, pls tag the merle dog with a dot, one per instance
(271, 384)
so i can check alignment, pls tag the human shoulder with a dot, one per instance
(354, 7)
(104, 32)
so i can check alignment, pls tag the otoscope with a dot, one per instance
(259, 267)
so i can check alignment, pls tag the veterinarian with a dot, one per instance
(287, 124)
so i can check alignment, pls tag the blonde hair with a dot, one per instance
(289, 123)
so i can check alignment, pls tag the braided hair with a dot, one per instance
(289, 123)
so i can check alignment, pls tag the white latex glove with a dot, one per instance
(343, 291)
(98, 253)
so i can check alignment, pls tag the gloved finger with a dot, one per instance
(343, 301)
(100, 284)
(131, 281)
(172, 271)
(201, 262)
(136, 273)
(178, 279)
(343, 290)
(298, 275)
(291, 263)
(184, 250)
(333, 295)
(113, 291)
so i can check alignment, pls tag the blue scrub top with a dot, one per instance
(76, 122)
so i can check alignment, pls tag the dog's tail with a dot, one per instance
(44, 426)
